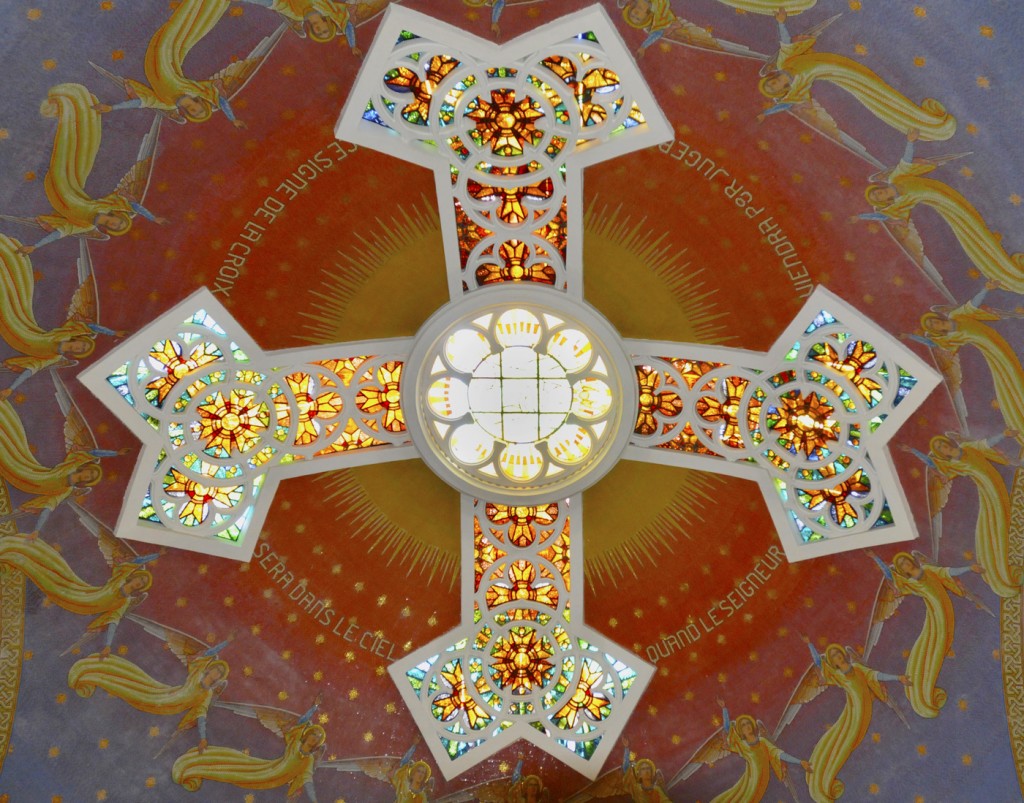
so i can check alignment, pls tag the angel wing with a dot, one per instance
(277, 720)
(379, 767)
(84, 305)
(235, 76)
(493, 791)
(691, 35)
(708, 753)
(887, 600)
(808, 688)
(114, 549)
(813, 115)
(948, 363)
(906, 235)
(362, 11)
(939, 487)
(91, 234)
(77, 435)
(134, 184)
(122, 83)
(816, 30)
(607, 785)
(184, 646)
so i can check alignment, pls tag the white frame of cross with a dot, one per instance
(656, 129)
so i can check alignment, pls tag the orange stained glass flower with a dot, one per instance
(554, 230)
(692, 370)
(169, 354)
(652, 401)
(557, 553)
(521, 660)
(511, 208)
(804, 423)
(585, 700)
(344, 369)
(727, 410)
(351, 437)
(515, 254)
(201, 498)
(504, 123)
(447, 706)
(839, 498)
(522, 519)
(402, 79)
(522, 576)
(485, 553)
(386, 398)
(859, 356)
(687, 441)
(233, 424)
(469, 232)
(325, 405)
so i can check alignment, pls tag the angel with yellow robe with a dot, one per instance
(661, 24)
(49, 485)
(910, 574)
(839, 667)
(747, 738)
(206, 679)
(411, 779)
(125, 589)
(950, 329)
(640, 779)
(324, 20)
(170, 92)
(75, 144)
(896, 193)
(517, 789)
(42, 348)
(789, 80)
(303, 747)
(948, 458)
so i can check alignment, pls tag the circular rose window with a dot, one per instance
(519, 394)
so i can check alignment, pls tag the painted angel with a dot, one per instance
(304, 746)
(912, 574)
(125, 589)
(206, 678)
(517, 789)
(43, 348)
(747, 738)
(173, 94)
(640, 779)
(497, 8)
(949, 456)
(73, 476)
(897, 192)
(410, 779)
(947, 329)
(789, 78)
(839, 667)
(324, 20)
(75, 145)
(660, 23)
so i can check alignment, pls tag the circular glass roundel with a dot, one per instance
(520, 393)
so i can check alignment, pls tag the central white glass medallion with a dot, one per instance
(520, 394)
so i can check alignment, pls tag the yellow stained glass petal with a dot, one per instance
(572, 349)
(471, 445)
(517, 327)
(521, 462)
(591, 398)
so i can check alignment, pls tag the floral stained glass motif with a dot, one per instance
(506, 133)
(222, 416)
(807, 416)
